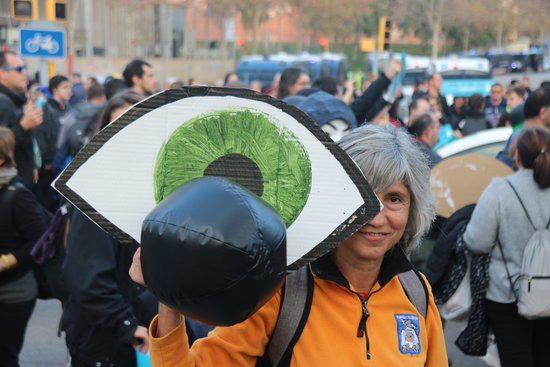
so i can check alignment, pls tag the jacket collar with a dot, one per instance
(56, 105)
(18, 99)
(395, 262)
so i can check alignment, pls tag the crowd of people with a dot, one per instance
(106, 315)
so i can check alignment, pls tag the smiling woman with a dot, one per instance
(359, 308)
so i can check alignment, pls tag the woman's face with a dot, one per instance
(301, 83)
(115, 113)
(512, 99)
(383, 232)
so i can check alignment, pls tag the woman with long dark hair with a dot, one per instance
(292, 81)
(22, 222)
(508, 212)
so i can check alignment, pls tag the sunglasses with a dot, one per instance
(19, 68)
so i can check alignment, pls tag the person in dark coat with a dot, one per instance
(458, 111)
(438, 101)
(78, 127)
(371, 102)
(78, 90)
(425, 130)
(140, 78)
(536, 112)
(22, 222)
(19, 115)
(474, 120)
(46, 135)
(105, 312)
(495, 105)
(292, 81)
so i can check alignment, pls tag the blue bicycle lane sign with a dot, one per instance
(43, 43)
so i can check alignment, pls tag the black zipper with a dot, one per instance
(535, 277)
(362, 328)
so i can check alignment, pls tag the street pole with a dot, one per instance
(88, 26)
(43, 72)
(436, 8)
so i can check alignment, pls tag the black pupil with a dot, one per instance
(239, 169)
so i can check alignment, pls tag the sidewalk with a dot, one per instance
(42, 347)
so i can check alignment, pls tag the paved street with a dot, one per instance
(42, 346)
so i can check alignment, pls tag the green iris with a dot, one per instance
(245, 146)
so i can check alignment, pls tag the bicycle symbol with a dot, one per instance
(39, 42)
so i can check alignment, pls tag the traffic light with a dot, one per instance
(384, 33)
(24, 10)
(56, 10)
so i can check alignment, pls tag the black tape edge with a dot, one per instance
(355, 221)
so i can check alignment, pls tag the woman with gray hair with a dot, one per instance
(360, 311)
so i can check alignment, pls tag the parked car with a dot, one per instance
(488, 142)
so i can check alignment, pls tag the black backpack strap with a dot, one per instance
(506, 267)
(293, 316)
(9, 192)
(416, 290)
(522, 205)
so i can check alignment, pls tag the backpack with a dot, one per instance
(47, 266)
(296, 304)
(534, 280)
(49, 254)
(74, 134)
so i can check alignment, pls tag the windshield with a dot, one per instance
(465, 74)
(411, 76)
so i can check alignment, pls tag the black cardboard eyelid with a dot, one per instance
(361, 216)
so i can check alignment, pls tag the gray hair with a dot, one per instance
(386, 155)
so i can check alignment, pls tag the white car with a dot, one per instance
(488, 142)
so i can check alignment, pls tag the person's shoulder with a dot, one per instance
(496, 187)
(22, 195)
(18, 184)
(5, 101)
(498, 182)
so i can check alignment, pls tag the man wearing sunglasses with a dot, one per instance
(19, 114)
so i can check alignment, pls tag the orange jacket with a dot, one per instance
(395, 333)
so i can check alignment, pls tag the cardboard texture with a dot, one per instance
(273, 149)
(459, 181)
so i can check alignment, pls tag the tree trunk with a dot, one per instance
(500, 29)
(255, 27)
(435, 38)
(467, 39)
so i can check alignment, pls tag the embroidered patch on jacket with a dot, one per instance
(408, 333)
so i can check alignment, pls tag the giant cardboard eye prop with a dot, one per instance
(272, 149)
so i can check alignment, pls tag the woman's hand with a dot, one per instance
(141, 339)
(168, 319)
(394, 68)
(7, 261)
(135, 269)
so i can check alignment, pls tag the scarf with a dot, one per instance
(7, 174)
